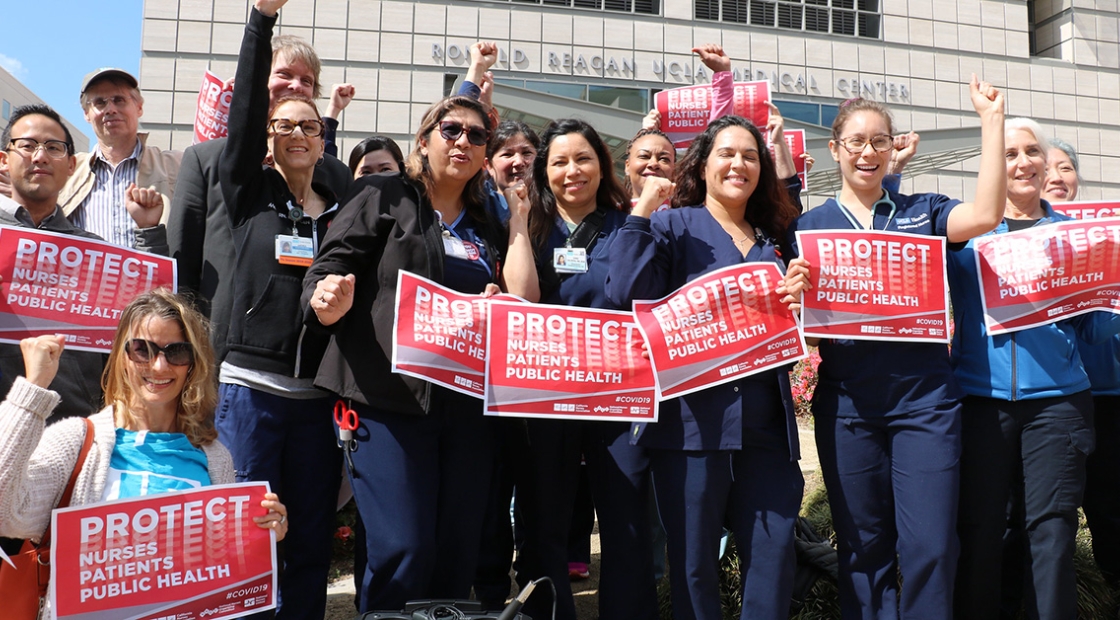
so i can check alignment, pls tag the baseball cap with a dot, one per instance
(107, 72)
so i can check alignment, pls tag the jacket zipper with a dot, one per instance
(314, 252)
(1014, 370)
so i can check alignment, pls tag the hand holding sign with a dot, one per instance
(334, 295)
(654, 194)
(652, 120)
(40, 358)
(277, 517)
(795, 283)
(144, 205)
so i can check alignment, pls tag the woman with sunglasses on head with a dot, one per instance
(423, 455)
(725, 454)
(158, 419)
(888, 414)
(274, 420)
(575, 216)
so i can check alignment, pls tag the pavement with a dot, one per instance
(340, 593)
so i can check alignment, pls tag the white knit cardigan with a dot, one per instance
(35, 464)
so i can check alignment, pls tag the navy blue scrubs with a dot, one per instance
(618, 473)
(888, 435)
(715, 458)
(423, 480)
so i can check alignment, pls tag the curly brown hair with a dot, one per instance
(199, 397)
(769, 207)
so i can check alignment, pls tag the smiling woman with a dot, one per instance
(422, 454)
(271, 414)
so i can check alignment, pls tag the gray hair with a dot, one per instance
(1027, 124)
(1067, 148)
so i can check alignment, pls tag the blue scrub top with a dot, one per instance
(861, 378)
(584, 290)
(652, 258)
(470, 275)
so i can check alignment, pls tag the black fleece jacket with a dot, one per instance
(385, 226)
(266, 330)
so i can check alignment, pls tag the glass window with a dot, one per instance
(828, 114)
(801, 111)
(7, 110)
(571, 91)
(633, 99)
(646, 7)
(845, 17)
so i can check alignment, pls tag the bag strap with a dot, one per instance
(87, 443)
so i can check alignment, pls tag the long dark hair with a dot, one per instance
(474, 198)
(543, 214)
(768, 207)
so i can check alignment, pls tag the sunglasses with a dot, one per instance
(451, 130)
(145, 352)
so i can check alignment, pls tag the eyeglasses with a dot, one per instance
(145, 352)
(100, 103)
(856, 144)
(286, 127)
(451, 130)
(56, 149)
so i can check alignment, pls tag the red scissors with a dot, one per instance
(347, 420)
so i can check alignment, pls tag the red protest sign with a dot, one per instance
(1088, 210)
(61, 284)
(1048, 273)
(685, 111)
(185, 555)
(795, 142)
(440, 335)
(719, 327)
(211, 116)
(871, 285)
(570, 363)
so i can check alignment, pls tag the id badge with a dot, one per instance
(293, 250)
(453, 246)
(569, 260)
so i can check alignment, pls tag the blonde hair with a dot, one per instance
(199, 398)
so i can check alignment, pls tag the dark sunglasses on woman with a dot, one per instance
(451, 130)
(145, 352)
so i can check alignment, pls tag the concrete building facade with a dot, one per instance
(1058, 61)
(14, 94)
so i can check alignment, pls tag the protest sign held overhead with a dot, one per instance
(440, 335)
(721, 326)
(186, 554)
(872, 285)
(61, 284)
(685, 111)
(567, 363)
(1047, 273)
(211, 116)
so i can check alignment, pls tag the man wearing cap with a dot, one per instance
(105, 179)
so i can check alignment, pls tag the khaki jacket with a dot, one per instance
(157, 168)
